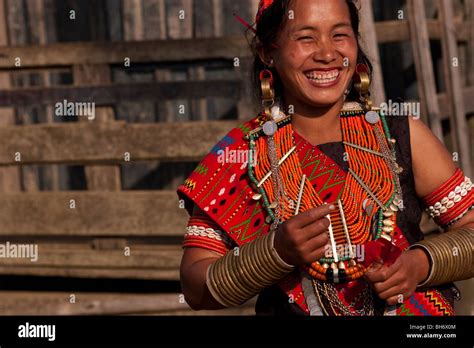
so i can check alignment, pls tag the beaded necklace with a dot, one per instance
(371, 195)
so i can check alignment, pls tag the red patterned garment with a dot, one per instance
(229, 216)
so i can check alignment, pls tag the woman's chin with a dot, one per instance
(325, 100)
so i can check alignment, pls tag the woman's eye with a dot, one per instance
(305, 38)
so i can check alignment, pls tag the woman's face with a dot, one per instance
(317, 53)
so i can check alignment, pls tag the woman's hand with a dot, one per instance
(303, 238)
(397, 283)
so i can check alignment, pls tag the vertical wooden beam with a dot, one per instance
(152, 10)
(9, 176)
(42, 33)
(99, 177)
(454, 86)
(114, 16)
(246, 106)
(370, 44)
(218, 18)
(430, 112)
(179, 27)
(133, 28)
(18, 35)
(469, 7)
(179, 20)
(165, 108)
(204, 27)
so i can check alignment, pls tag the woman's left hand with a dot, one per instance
(396, 283)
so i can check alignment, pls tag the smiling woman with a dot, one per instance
(326, 221)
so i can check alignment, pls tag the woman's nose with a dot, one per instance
(325, 52)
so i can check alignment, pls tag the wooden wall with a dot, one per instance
(178, 96)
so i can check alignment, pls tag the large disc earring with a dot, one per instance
(361, 81)
(268, 93)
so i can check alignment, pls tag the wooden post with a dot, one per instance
(454, 87)
(18, 33)
(9, 176)
(420, 40)
(469, 7)
(370, 44)
(99, 177)
(43, 32)
(132, 20)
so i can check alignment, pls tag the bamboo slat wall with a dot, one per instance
(175, 62)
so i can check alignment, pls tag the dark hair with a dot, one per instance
(272, 20)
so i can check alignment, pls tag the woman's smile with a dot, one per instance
(323, 78)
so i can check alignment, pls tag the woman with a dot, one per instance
(326, 220)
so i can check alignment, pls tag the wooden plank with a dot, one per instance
(454, 85)
(159, 257)
(9, 176)
(99, 177)
(443, 102)
(107, 94)
(370, 44)
(398, 30)
(426, 83)
(87, 143)
(93, 273)
(95, 214)
(58, 303)
(66, 54)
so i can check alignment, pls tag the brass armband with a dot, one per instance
(242, 273)
(451, 256)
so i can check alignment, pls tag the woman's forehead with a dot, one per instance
(316, 13)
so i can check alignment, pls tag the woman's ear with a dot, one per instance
(265, 56)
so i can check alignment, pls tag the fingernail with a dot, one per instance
(332, 207)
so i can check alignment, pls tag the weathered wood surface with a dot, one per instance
(129, 213)
(158, 257)
(59, 303)
(153, 51)
(9, 176)
(109, 94)
(66, 54)
(90, 142)
(93, 273)
(430, 110)
(454, 86)
(102, 176)
(370, 45)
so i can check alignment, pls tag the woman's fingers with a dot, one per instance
(312, 215)
(317, 228)
(380, 274)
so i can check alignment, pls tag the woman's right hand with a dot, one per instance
(303, 238)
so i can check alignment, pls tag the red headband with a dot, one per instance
(262, 6)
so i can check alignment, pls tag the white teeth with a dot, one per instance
(323, 77)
